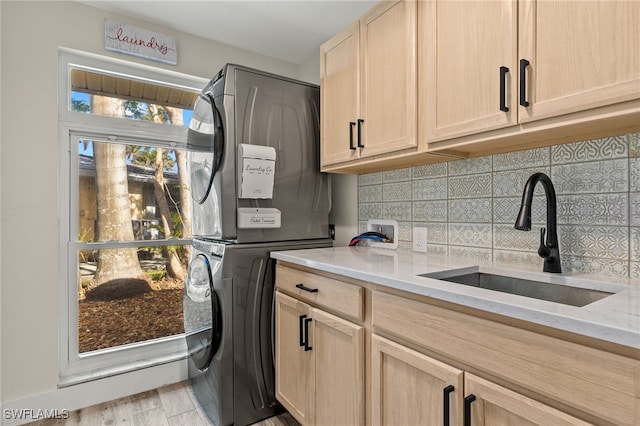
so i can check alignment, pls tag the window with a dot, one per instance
(125, 232)
(129, 293)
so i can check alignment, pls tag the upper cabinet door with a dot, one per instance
(582, 55)
(340, 99)
(389, 82)
(467, 67)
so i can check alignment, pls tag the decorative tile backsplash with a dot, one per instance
(469, 206)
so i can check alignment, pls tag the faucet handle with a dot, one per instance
(543, 250)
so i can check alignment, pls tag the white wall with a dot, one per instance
(31, 33)
(0, 209)
(344, 212)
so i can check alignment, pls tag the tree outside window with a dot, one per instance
(135, 198)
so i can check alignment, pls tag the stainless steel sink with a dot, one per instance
(568, 295)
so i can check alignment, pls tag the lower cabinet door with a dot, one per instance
(338, 372)
(410, 388)
(293, 363)
(489, 404)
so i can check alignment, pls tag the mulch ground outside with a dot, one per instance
(115, 321)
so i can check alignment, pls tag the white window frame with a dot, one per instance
(75, 367)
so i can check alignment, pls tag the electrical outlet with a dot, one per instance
(420, 239)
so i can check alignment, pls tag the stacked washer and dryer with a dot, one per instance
(253, 147)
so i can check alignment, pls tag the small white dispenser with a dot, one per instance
(258, 165)
(257, 173)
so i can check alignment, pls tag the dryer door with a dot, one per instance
(202, 314)
(205, 143)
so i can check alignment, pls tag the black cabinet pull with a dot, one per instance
(352, 124)
(301, 328)
(467, 409)
(306, 334)
(305, 288)
(360, 121)
(503, 89)
(445, 404)
(523, 82)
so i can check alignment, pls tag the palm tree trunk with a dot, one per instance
(175, 115)
(113, 205)
(174, 266)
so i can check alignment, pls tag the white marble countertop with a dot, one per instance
(615, 318)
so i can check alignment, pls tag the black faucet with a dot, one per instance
(549, 250)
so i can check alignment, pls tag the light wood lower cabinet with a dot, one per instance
(319, 364)
(584, 381)
(293, 371)
(489, 404)
(410, 388)
(341, 341)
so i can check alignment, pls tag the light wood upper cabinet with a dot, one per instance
(339, 95)
(463, 45)
(582, 54)
(368, 85)
(486, 65)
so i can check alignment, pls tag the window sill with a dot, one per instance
(134, 357)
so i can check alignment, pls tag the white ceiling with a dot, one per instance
(289, 30)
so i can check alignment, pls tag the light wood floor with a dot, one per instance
(173, 405)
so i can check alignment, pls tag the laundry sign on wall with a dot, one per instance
(124, 38)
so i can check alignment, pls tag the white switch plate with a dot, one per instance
(420, 239)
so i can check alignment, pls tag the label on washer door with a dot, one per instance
(258, 218)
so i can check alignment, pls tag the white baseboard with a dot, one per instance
(70, 398)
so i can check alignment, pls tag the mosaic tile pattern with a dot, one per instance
(469, 206)
(599, 149)
(396, 191)
(470, 186)
(635, 244)
(634, 174)
(521, 159)
(634, 208)
(592, 177)
(600, 241)
(594, 209)
(510, 183)
(476, 210)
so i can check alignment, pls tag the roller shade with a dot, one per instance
(134, 90)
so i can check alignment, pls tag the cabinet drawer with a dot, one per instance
(334, 295)
(595, 382)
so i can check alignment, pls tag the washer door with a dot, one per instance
(205, 141)
(202, 314)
